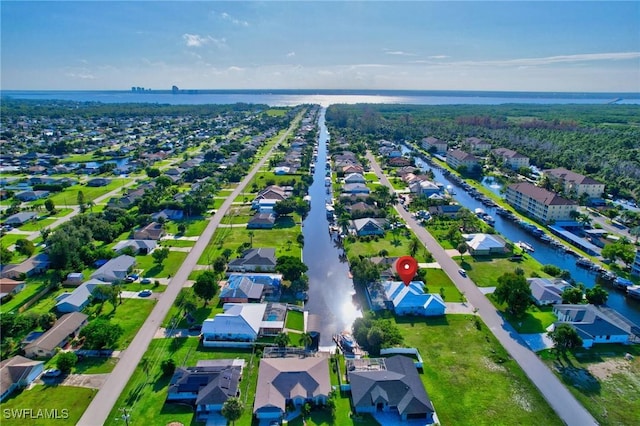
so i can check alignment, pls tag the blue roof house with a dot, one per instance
(79, 298)
(412, 300)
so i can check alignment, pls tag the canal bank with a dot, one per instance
(543, 252)
(331, 291)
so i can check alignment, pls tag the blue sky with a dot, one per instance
(479, 45)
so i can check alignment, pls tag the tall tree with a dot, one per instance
(597, 295)
(564, 337)
(206, 286)
(572, 295)
(160, 255)
(232, 409)
(513, 290)
(282, 340)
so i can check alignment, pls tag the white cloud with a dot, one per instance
(80, 74)
(398, 52)
(438, 57)
(233, 20)
(235, 69)
(195, 40)
(290, 54)
(548, 60)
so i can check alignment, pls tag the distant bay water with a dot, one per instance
(327, 97)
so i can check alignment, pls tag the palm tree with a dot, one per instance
(306, 340)
(251, 234)
(414, 245)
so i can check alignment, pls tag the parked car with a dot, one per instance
(462, 272)
(145, 281)
(52, 372)
(145, 293)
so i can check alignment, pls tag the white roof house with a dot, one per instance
(78, 298)
(239, 321)
(484, 244)
(115, 269)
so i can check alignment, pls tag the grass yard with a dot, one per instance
(170, 266)
(394, 247)
(535, 320)
(146, 392)
(130, 315)
(201, 313)
(485, 272)
(371, 176)
(437, 279)
(37, 225)
(62, 212)
(88, 365)
(295, 320)
(74, 400)
(194, 226)
(70, 195)
(467, 371)
(10, 239)
(232, 238)
(177, 243)
(33, 286)
(603, 381)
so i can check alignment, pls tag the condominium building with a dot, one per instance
(573, 181)
(511, 158)
(436, 144)
(457, 158)
(539, 203)
(635, 268)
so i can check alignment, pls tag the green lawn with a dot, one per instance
(232, 238)
(88, 365)
(603, 381)
(169, 267)
(467, 372)
(10, 239)
(295, 320)
(74, 400)
(70, 195)
(130, 315)
(485, 272)
(177, 243)
(394, 246)
(145, 393)
(33, 286)
(437, 279)
(194, 226)
(535, 320)
(36, 225)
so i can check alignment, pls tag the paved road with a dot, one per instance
(556, 394)
(98, 411)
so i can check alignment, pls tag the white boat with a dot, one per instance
(524, 246)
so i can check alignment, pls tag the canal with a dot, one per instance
(544, 253)
(331, 291)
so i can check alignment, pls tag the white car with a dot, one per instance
(462, 272)
(52, 372)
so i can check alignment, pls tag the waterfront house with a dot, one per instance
(368, 226)
(355, 188)
(575, 182)
(412, 300)
(539, 203)
(241, 289)
(66, 328)
(207, 386)
(115, 269)
(354, 178)
(390, 385)
(485, 244)
(239, 322)
(597, 324)
(295, 381)
(254, 260)
(511, 158)
(545, 291)
(18, 372)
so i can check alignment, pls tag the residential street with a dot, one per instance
(102, 404)
(556, 394)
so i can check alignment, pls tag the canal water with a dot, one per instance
(544, 253)
(331, 290)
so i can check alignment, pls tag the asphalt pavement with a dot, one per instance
(557, 395)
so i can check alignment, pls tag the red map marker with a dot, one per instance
(406, 266)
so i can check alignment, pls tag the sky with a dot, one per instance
(572, 46)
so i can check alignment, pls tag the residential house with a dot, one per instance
(425, 187)
(153, 231)
(272, 192)
(79, 298)
(394, 386)
(67, 327)
(485, 244)
(457, 159)
(96, 182)
(446, 210)
(262, 221)
(545, 291)
(168, 214)
(138, 246)
(9, 287)
(238, 322)
(575, 182)
(266, 205)
(399, 162)
(254, 260)
(355, 188)
(387, 266)
(596, 324)
(412, 300)
(436, 145)
(241, 289)
(20, 218)
(477, 144)
(207, 386)
(511, 158)
(539, 203)
(115, 269)
(295, 381)
(31, 195)
(33, 266)
(368, 226)
(354, 178)
(18, 372)
(352, 168)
